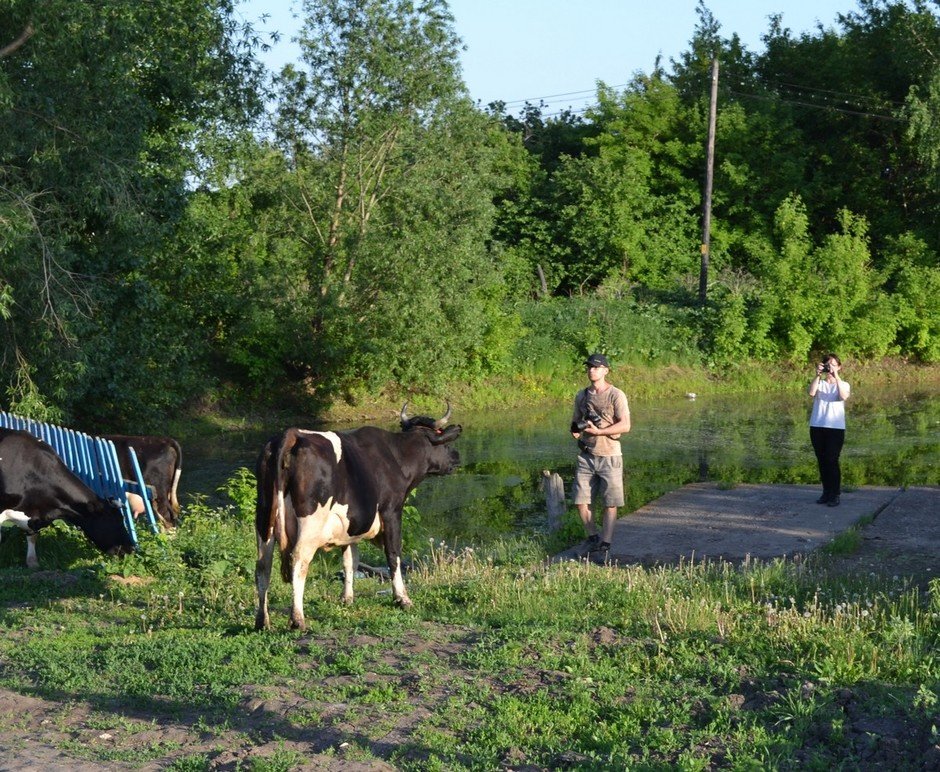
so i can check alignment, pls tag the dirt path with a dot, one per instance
(900, 528)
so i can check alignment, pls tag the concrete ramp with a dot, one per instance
(708, 521)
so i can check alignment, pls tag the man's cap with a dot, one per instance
(597, 360)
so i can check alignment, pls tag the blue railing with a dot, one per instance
(94, 461)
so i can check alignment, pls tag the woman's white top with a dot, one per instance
(828, 406)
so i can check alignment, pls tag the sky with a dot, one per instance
(555, 51)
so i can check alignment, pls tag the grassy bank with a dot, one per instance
(557, 385)
(505, 662)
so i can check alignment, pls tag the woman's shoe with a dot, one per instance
(833, 502)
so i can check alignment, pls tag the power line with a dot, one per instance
(853, 97)
(543, 101)
(813, 106)
(536, 100)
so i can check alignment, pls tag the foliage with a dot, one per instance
(561, 333)
(161, 249)
(99, 111)
(345, 252)
(242, 490)
(913, 274)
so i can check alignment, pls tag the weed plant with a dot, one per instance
(506, 660)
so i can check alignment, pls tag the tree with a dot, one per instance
(99, 112)
(846, 88)
(366, 258)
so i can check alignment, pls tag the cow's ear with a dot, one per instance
(449, 434)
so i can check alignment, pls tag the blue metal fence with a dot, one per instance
(94, 461)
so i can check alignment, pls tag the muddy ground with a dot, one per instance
(903, 539)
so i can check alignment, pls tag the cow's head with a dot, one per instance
(104, 527)
(442, 459)
(424, 421)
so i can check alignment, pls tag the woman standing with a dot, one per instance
(827, 425)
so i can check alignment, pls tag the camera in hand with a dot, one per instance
(826, 368)
(589, 417)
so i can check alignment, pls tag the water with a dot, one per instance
(893, 439)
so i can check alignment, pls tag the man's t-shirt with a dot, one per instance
(611, 405)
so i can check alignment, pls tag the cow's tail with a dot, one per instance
(177, 471)
(279, 505)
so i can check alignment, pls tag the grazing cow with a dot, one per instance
(36, 488)
(161, 460)
(319, 490)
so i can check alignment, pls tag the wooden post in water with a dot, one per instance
(554, 498)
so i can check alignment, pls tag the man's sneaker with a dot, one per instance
(600, 554)
(588, 545)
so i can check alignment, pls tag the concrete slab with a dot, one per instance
(904, 540)
(707, 521)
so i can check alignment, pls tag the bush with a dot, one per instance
(563, 331)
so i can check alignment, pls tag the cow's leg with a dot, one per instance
(350, 566)
(392, 540)
(304, 550)
(21, 520)
(31, 560)
(263, 581)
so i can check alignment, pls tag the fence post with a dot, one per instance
(554, 490)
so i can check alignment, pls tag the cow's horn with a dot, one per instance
(441, 422)
(404, 414)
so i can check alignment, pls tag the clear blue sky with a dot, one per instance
(556, 50)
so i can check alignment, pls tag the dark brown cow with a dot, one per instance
(320, 490)
(161, 460)
(36, 488)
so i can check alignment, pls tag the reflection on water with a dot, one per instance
(893, 438)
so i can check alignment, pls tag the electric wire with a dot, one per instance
(850, 104)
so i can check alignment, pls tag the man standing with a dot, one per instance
(601, 415)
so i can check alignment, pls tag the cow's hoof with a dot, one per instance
(262, 623)
(298, 625)
(404, 602)
(346, 600)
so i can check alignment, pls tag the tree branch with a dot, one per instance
(25, 35)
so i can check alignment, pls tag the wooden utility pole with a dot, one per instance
(709, 174)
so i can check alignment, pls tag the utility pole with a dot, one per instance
(709, 174)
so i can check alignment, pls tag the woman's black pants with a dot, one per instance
(827, 443)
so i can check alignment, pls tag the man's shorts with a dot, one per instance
(598, 476)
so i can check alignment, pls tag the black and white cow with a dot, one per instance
(37, 488)
(320, 490)
(161, 460)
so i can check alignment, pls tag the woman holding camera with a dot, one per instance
(827, 425)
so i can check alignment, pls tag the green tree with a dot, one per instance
(615, 207)
(100, 108)
(359, 255)
(846, 87)
(912, 276)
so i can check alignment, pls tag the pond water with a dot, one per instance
(893, 439)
